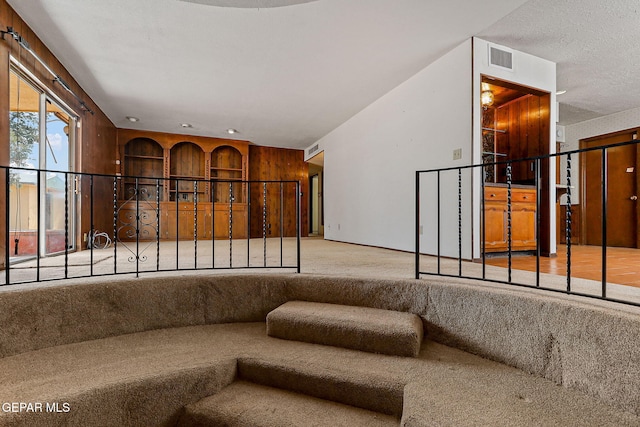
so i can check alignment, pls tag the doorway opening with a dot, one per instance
(316, 188)
(515, 125)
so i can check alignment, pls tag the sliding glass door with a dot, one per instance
(41, 137)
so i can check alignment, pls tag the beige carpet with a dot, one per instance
(359, 328)
(145, 378)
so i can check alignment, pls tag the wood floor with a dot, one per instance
(623, 264)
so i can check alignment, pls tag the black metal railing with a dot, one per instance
(62, 225)
(456, 245)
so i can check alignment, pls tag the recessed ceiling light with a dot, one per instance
(133, 119)
(186, 125)
(232, 131)
(561, 92)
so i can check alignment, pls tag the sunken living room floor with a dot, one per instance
(292, 350)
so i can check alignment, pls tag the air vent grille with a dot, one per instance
(313, 149)
(500, 58)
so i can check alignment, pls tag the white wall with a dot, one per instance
(528, 70)
(370, 160)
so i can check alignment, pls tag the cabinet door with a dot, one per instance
(179, 223)
(222, 224)
(523, 230)
(495, 226)
(132, 220)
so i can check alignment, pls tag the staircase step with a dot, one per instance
(359, 328)
(368, 390)
(244, 404)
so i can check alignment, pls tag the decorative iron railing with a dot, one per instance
(453, 223)
(63, 225)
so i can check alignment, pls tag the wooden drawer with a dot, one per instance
(495, 194)
(524, 195)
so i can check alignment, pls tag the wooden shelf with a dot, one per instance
(137, 156)
(187, 177)
(144, 181)
(227, 169)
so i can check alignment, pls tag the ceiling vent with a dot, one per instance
(501, 57)
(312, 150)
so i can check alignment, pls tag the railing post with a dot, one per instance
(605, 187)
(509, 237)
(248, 187)
(195, 224)
(177, 224)
(230, 224)
(298, 219)
(7, 219)
(92, 226)
(459, 222)
(568, 223)
(66, 225)
(281, 223)
(417, 226)
(157, 224)
(39, 236)
(115, 225)
(538, 180)
(213, 224)
(137, 186)
(438, 220)
(483, 224)
(264, 223)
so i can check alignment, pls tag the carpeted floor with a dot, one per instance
(445, 386)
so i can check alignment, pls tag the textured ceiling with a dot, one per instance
(282, 76)
(594, 43)
(286, 76)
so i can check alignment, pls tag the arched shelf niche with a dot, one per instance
(186, 166)
(143, 157)
(227, 170)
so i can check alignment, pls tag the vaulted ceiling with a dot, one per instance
(286, 75)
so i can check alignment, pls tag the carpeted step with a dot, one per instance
(244, 404)
(359, 328)
(375, 391)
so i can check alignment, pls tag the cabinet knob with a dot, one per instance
(492, 195)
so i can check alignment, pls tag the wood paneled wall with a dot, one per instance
(561, 224)
(97, 137)
(525, 122)
(268, 163)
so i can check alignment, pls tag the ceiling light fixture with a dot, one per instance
(561, 92)
(186, 125)
(486, 98)
(133, 119)
(231, 131)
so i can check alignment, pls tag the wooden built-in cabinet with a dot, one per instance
(523, 218)
(215, 191)
(179, 178)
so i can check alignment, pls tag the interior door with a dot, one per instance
(622, 191)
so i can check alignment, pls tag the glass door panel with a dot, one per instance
(59, 184)
(24, 154)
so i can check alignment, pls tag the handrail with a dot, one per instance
(152, 225)
(432, 222)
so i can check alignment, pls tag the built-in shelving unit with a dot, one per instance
(198, 176)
